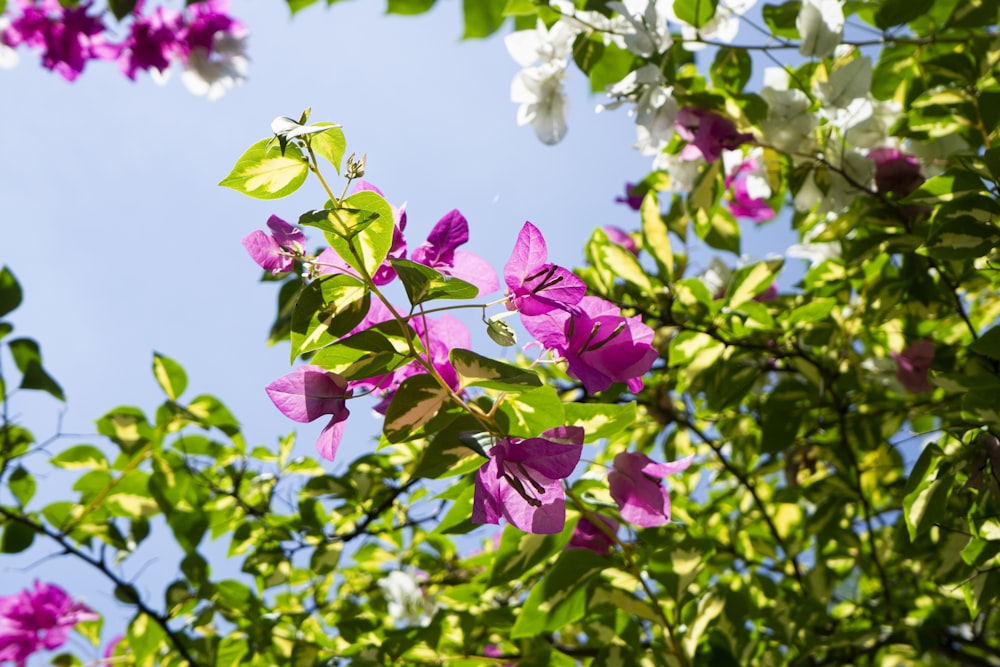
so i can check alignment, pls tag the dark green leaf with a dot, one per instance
(28, 359)
(375, 351)
(519, 552)
(963, 238)
(988, 344)
(587, 52)
(16, 537)
(898, 12)
(120, 8)
(561, 596)
(781, 18)
(782, 414)
(10, 292)
(731, 69)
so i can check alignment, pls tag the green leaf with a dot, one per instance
(476, 370)
(782, 414)
(695, 12)
(560, 597)
(375, 351)
(898, 12)
(365, 248)
(587, 52)
(731, 69)
(327, 309)
(620, 262)
(231, 651)
(297, 6)
(458, 520)
(170, 376)
(120, 8)
(656, 238)
(531, 412)
(926, 499)
(264, 173)
(10, 292)
(17, 537)
(963, 238)
(28, 359)
(614, 65)
(946, 187)
(482, 17)
(520, 552)
(22, 485)
(422, 283)
(408, 7)
(600, 420)
(988, 344)
(520, 8)
(816, 310)
(417, 400)
(781, 18)
(330, 145)
(749, 281)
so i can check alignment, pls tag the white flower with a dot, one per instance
(542, 44)
(753, 168)
(821, 27)
(873, 131)
(539, 91)
(723, 27)
(683, 173)
(846, 83)
(648, 34)
(655, 107)
(815, 253)
(789, 125)
(716, 277)
(226, 67)
(840, 190)
(406, 602)
(8, 56)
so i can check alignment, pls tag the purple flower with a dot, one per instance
(749, 191)
(68, 37)
(587, 535)
(534, 286)
(635, 484)
(309, 392)
(895, 171)
(600, 346)
(440, 252)
(622, 238)
(913, 365)
(276, 252)
(520, 482)
(152, 42)
(634, 202)
(39, 619)
(708, 133)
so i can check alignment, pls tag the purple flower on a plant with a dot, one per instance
(534, 286)
(276, 252)
(587, 535)
(440, 252)
(708, 133)
(634, 202)
(635, 483)
(520, 482)
(913, 365)
(749, 191)
(37, 619)
(622, 238)
(308, 393)
(152, 42)
(68, 37)
(599, 345)
(895, 171)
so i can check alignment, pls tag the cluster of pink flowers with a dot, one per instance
(38, 619)
(204, 38)
(521, 480)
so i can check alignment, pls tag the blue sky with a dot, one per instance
(124, 244)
